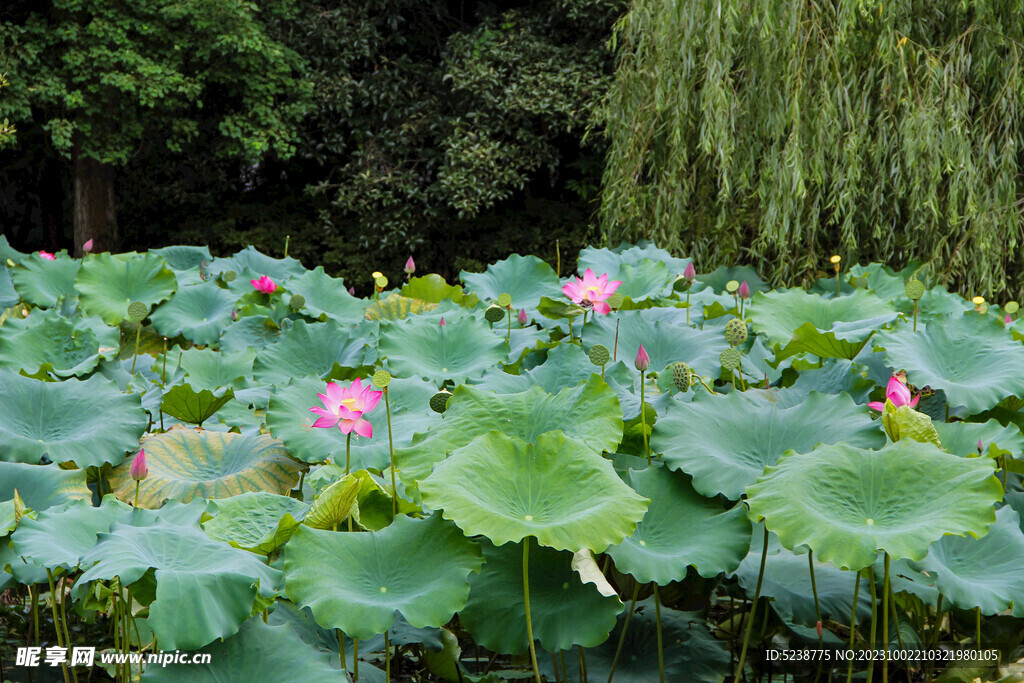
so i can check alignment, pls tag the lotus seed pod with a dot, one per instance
(505, 300)
(730, 359)
(1011, 307)
(137, 311)
(736, 331)
(732, 286)
(616, 300)
(914, 289)
(297, 302)
(381, 379)
(380, 282)
(494, 314)
(681, 376)
(439, 401)
(228, 275)
(599, 354)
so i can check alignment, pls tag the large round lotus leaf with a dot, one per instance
(184, 403)
(87, 422)
(8, 295)
(962, 437)
(204, 589)
(290, 420)
(184, 464)
(356, 582)
(63, 536)
(847, 503)
(107, 283)
(588, 413)
(200, 313)
(183, 257)
(253, 332)
(525, 278)
(396, 307)
(681, 528)
(557, 489)
(279, 269)
(208, 369)
(986, 572)
(420, 347)
(256, 520)
(787, 582)
(725, 442)
(311, 349)
(970, 357)
(328, 296)
(778, 315)
(41, 282)
(665, 342)
(42, 486)
(258, 652)
(47, 341)
(434, 289)
(495, 615)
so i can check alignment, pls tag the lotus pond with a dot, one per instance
(636, 472)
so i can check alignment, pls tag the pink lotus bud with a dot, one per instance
(522, 317)
(1008, 319)
(744, 290)
(234, 315)
(352, 291)
(47, 255)
(690, 273)
(138, 470)
(443, 323)
(818, 627)
(410, 266)
(87, 247)
(981, 447)
(643, 361)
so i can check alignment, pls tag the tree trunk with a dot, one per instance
(95, 217)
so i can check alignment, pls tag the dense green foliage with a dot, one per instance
(777, 133)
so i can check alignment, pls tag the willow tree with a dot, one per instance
(777, 133)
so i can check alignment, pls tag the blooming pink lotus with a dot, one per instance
(138, 469)
(344, 407)
(591, 291)
(264, 284)
(898, 393)
(47, 255)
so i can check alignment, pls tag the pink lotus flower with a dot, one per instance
(47, 255)
(352, 291)
(410, 266)
(898, 393)
(87, 247)
(744, 290)
(522, 317)
(981, 447)
(443, 323)
(344, 407)
(690, 273)
(643, 361)
(138, 469)
(264, 284)
(591, 291)
(1008, 319)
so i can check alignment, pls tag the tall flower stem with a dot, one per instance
(508, 334)
(138, 333)
(391, 448)
(615, 349)
(341, 648)
(885, 620)
(625, 626)
(355, 659)
(137, 485)
(853, 627)
(753, 609)
(657, 626)
(583, 326)
(817, 609)
(387, 658)
(56, 623)
(874, 621)
(558, 259)
(688, 305)
(526, 602)
(977, 626)
(348, 463)
(643, 417)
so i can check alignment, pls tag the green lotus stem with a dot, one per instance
(33, 596)
(643, 418)
(570, 330)
(874, 620)
(583, 664)
(753, 608)
(625, 625)
(137, 484)
(64, 625)
(977, 626)
(583, 325)
(508, 335)
(355, 659)
(341, 646)
(56, 623)
(387, 658)
(554, 666)
(138, 333)
(615, 349)
(895, 615)
(838, 293)
(700, 379)
(915, 316)
(558, 259)
(561, 657)
(688, 306)
(657, 627)
(302, 481)
(885, 619)
(348, 462)
(391, 448)
(526, 601)
(814, 590)
(287, 238)
(853, 627)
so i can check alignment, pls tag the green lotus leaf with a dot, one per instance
(396, 307)
(258, 652)
(558, 308)
(809, 339)
(183, 257)
(357, 582)
(87, 422)
(787, 582)
(434, 289)
(184, 464)
(8, 295)
(204, 589)
(252, 332)
(41, 282)
(778, 315)
(194, 407)
(525, 278)
(984, 572)
(588, 413)
(200, 313)
(259, 264)
(328, 296)
(962, 437)
(420, 347)
(9, 252)
(255, 520)
(681, 529)
(557, 489)
(496, 618)
(61, 537)
(208, 369)
(47, 341)
(724, 442)
(719, 277)
(42, 486)
(971, 358)
(566, 365)
(108, 283)
(311, 349)
(847, 503)
(835, 376)
(334, 505)
(665, 342)
(290, 420)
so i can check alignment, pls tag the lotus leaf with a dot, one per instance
(255, 520)
(779, 315)
(311, 349)
(200, 313)
(41, 282)
(195, 407)
(46, 341)
(420, 347)
(42, 486)
(328, 296)
(108, 283)
(278, 269)
(525, 278)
